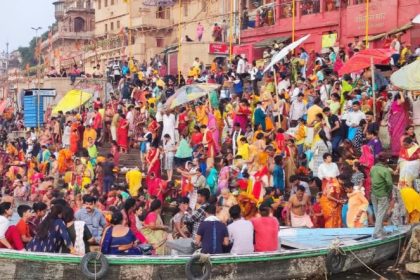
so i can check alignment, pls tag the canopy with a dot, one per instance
(72, 100)
(408, 77)
(284, 51)
(362, 60)
(189, 93)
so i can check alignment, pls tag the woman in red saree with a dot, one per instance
(208, 142)
(122, 134)
(153, 160)
(261, 182)
(242, 114)
(397, 122)
(74, 138)
(367, 160)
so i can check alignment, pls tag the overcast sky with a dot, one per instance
(18, 16)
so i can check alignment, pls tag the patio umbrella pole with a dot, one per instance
(372, 70)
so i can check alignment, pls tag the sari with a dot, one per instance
(411, 200)
(331, 209)
(367, 160)
(157, 238)
(290, 162)
(122, 133)
(409, 163)
(150, 156)
(212, 126)
(223, 180)
(258, 190)
(74, 140)
(357, 202)
(397, 122)
(241, 117)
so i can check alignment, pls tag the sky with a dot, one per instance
(18, 16)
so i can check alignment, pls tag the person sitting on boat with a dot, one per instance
(241, 232)
(357, 207)
(51, 234)
(9, 235)
(78, 231)
(196, 217)
(299, 205)
(93, 218)
(25, 213)
(212, 234)
(153, 228)
(266, 230)
(118, 239)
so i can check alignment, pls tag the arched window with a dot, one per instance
(79, 24)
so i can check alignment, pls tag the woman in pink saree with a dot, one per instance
(212, 126)
(397, 123)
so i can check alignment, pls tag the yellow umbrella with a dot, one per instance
(72, 100)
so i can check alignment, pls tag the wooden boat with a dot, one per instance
(305, 253)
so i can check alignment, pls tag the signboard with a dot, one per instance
(328, 40)
(218, 48)
(382, 17)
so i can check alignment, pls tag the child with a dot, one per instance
(25, 213)
(318, 217)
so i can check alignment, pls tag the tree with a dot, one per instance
(28, 53)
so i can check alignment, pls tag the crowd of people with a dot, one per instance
(299, 146)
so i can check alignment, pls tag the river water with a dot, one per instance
(385, 269)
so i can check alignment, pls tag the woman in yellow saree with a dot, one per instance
(153, 228)
(409, 168)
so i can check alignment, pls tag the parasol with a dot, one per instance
(408, 77)
(284, 52)
(72, 100)
(364, 59)
(416, 19)
(189, 93)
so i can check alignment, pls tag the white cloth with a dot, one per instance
(353, 118)
(169, 125)
(241, 234)
(301, 221)
(66, 136)
(79, 245)
(4, 225)
(284, 84)
(328, 170)
(240, 68)
(297, 110)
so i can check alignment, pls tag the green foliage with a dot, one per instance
(28, 53)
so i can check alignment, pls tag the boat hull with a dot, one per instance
(287, 264)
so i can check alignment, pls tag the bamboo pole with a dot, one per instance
(231, 31)
(372, 73)
(367, 25)
(130, 23)
(179, 41)
(293, 20)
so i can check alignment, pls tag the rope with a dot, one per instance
(204, 258)
(365, 265)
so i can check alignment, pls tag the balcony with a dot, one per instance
(277, 17)
(151, 22)
(79, 6)
(67, 35)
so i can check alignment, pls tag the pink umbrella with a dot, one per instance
(363, 59)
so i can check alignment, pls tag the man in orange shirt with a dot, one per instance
(25, 213)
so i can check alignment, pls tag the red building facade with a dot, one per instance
(341, 19)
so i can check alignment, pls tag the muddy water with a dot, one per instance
(385, 269)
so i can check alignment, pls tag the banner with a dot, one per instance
(218, 48)
(328, 40)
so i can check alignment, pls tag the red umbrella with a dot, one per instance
(363, 59)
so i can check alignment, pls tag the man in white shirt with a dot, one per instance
(241, 232)
(355, 116)
(353, 119)
(297, 110)
(240, 68)
(325, 91)
(284, 84)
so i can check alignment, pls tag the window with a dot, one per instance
(118, 24)
(99, 4)
(79, 24)
(106, 27)
(160, 42)
(105, 3)
(112, 26)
